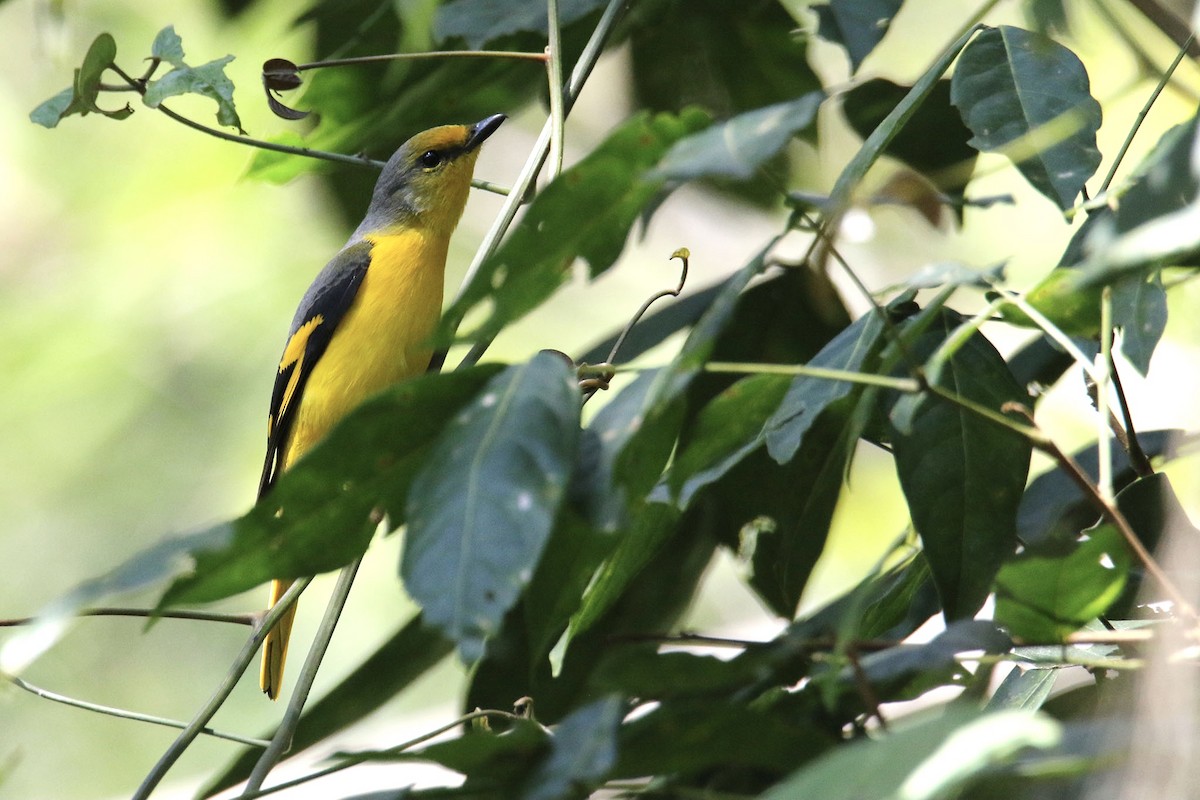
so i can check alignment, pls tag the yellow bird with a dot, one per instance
(365, 322)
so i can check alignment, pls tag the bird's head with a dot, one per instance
(425, 183)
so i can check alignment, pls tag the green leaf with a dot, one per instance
(208, 80)
(899, 665)
(727, 430)
(737, 148)
(962, 475)
(1011, 84)
(49, 113)
(411, 652)
(857, 25)
(479, 22)
(583, 750)
(85, 90)
(1045, 594)
(930, 758)
(1024, 689)
(586, 213)
(649, 530)
(318, 516)
(1140, 311)
(481, 509)
(934, 142)
(168, 47)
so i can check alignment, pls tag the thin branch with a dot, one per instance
(281, 742)
(558, 116)
(150, 613)
(346, 62)
(1141, 117)
(866, 690)
(1137, 456)
(46, 694)
(907, 385)
(236, 670)
(352, 759)
(1103, 360)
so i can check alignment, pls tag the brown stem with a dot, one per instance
(203, 616)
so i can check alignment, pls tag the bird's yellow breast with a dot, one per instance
(382, 339)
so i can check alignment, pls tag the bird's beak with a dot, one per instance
(482, 130)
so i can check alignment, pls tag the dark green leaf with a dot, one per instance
(486, 758)
(934, 140)
(1012, 84)
(879, 768)
(786, 510)
(1047, 15)
(317, 518)
(647, 674)
(808, 397)
(724, 57)
(962, 474)
(168, 47)
(857, 25)
(1140, 311)
(586, 213)
(737, 148)
(1151, 507)
(482, 507)
(651, 527)
(479, 22)
(692, 736)
(410, 653)
(1045, 594)
(1053, 507)
(583, 750)
(208, 80)
(727, 430)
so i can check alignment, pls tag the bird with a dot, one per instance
(366, 320)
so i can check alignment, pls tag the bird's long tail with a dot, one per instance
(270, 676)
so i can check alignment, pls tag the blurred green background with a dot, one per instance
(145, 289)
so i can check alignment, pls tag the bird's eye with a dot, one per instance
(430, 159)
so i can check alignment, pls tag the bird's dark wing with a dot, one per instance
(325, 303)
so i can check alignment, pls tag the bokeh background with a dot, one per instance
(145, 288)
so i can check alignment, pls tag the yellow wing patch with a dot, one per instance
(293, 356)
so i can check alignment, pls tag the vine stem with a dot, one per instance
(218, 698)
(112, 711)
(908, 385)
(150, 613)
(281, 742)
(533, 165)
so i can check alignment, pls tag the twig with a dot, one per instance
(206, 713)
(1103, 360)
(352, 759)
(203, 616)
(46, 694)
(862, 683)
(1141, 117)
(346, 62)
(281, 742)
